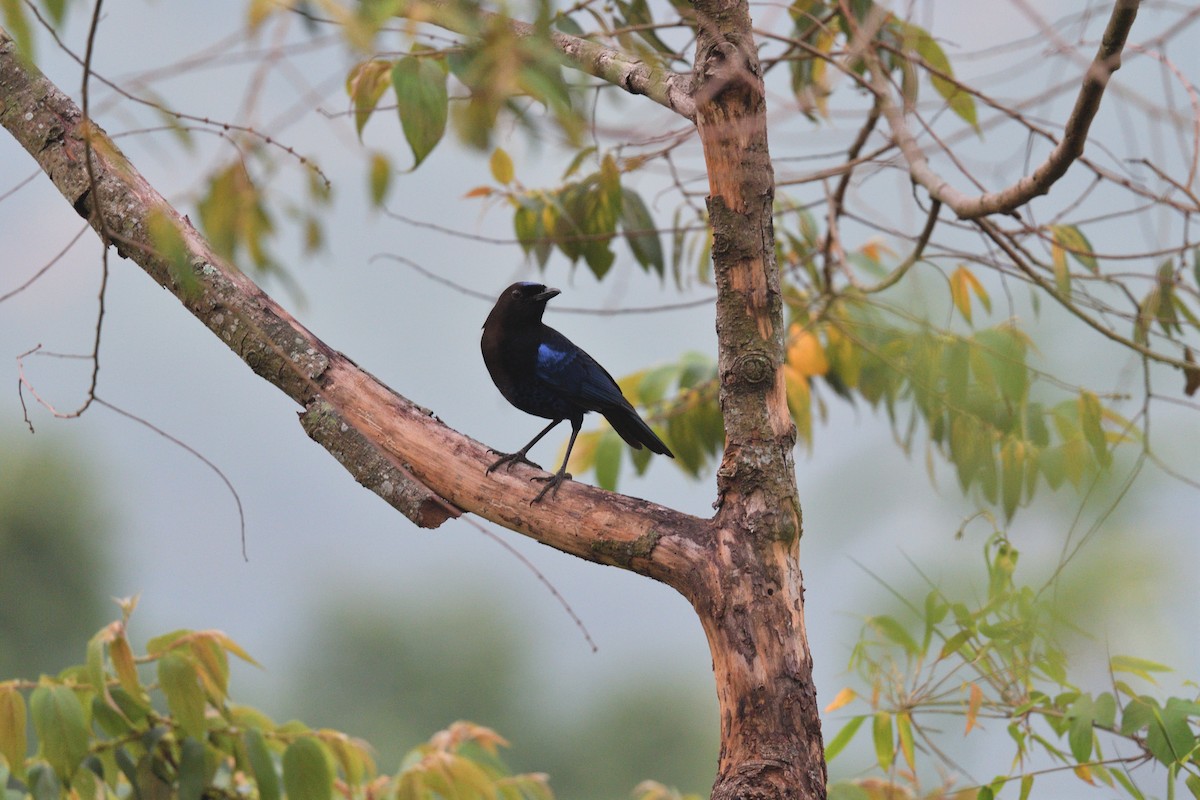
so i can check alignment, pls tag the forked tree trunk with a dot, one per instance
(740, 570)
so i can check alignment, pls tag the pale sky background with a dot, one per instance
(314, 536)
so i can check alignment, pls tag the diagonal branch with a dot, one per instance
(669, 89)
(1068, 150)
(394, 447)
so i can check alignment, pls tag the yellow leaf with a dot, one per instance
(959, 292)
(479, 191)
(1062, 275)
(844, 698)
(962, 282)
(1084, 774)
(904, 732)
(502, 166)
(805, 354)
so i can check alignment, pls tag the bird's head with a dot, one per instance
(525, 300)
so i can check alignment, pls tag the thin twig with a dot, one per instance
(517, 554)
(228, 484)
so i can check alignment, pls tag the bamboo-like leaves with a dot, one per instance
(1013, 668)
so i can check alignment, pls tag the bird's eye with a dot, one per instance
(516, 292)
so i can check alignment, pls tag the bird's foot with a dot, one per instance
(552, 484)
(508, 459)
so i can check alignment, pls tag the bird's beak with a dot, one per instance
(542, 297)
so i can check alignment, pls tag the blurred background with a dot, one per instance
(362, 621)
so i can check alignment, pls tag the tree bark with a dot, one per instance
(753, 614)
(740, 570)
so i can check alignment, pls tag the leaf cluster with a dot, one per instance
(820, 28)
(999, 658)
(102, 731)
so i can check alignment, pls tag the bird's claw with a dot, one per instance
(507, 460)
(551, 487)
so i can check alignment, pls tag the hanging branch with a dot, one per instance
(1068, 150)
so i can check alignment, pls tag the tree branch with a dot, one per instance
(396, 448)
(667, 88)
(1066, 151)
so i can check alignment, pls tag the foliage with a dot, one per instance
(102, 731)
(862, 326)
(1000, 658)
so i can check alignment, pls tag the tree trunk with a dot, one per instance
(752, 606)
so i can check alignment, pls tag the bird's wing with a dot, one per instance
(575, 374)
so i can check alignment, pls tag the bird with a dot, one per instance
(545, 374)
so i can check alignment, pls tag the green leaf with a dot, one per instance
(843, 737)
(16, 22)
(422, 102)
(365, 84)
(1026, 786)
(171, 248)
(1081, 736)
(1004, 351)
(567, 25)
(43, 783)
(640, 232)
(1127, 785)
(954, 644)
(891, 629)
(13, 744)
(608, 460)
(1106, 710)
(160, 644)
(885, 745)
(1170, 738)
(192, 776)
(1012, 473)
(61, 728)
(307, 774)
(1072, 240)
(845, 790)
(1193, 784)
(1090, 413)
(180, 682)
(109, 720)
(1137, 666)
(263, 765)
(1139, 713)
(961, 103)
(57, 10)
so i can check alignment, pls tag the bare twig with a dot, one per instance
(1066, 151)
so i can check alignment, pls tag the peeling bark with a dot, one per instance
(753, 613)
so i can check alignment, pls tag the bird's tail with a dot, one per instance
(634, 430)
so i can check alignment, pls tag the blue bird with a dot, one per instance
(543, 373)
